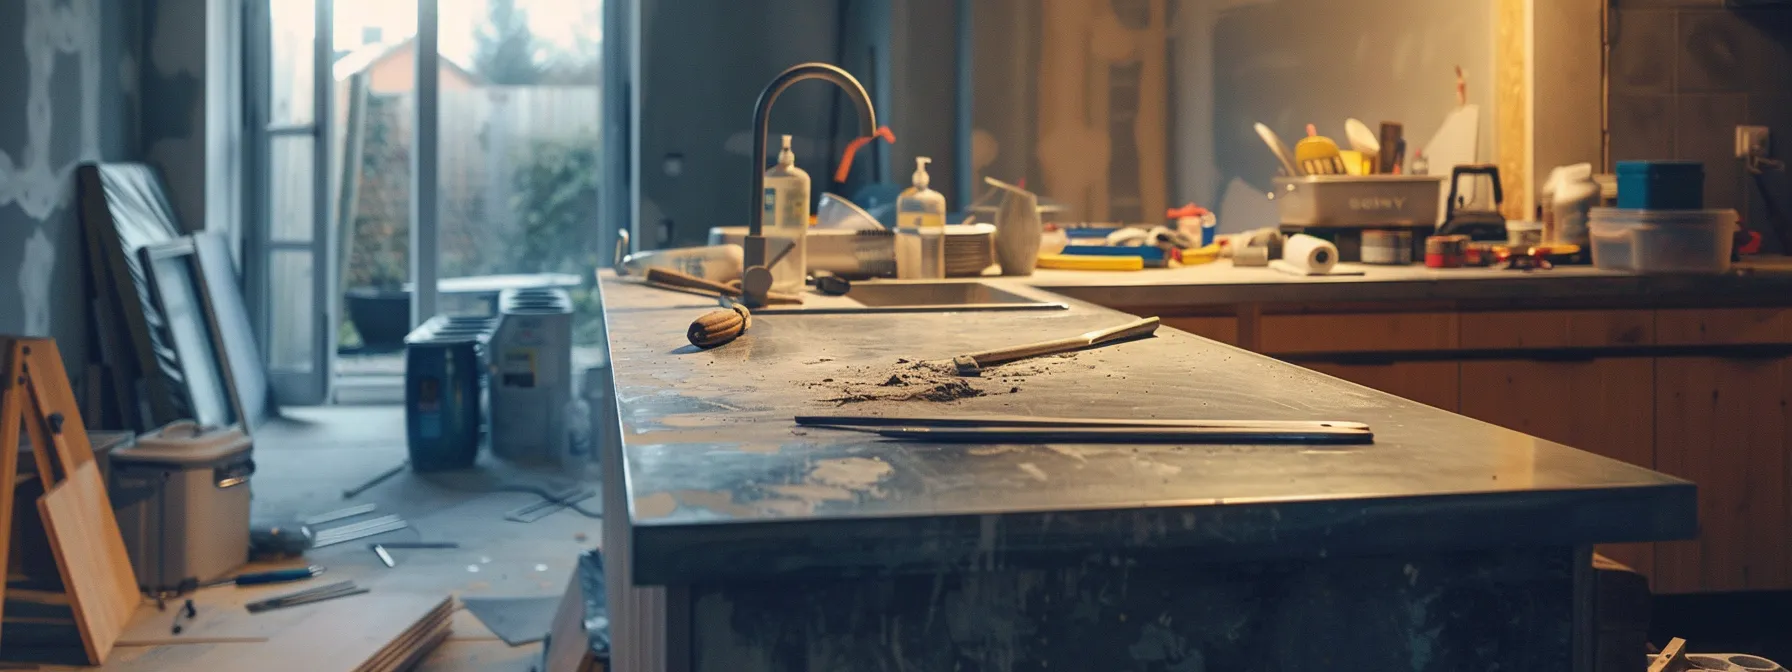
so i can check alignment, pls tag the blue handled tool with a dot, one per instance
(275, 576)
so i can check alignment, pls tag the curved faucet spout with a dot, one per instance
(755, 249)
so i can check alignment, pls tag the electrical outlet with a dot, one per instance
(1752, 141)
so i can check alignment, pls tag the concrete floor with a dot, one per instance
(305, 460)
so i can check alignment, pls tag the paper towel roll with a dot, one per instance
(1310, 254)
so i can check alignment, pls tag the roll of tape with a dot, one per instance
(1251, 255)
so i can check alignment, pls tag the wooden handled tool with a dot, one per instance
(974, 363)
(719, 327)
(673, 279)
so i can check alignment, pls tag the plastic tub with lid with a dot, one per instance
(1662, 241)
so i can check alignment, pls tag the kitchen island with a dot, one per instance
(751, 544)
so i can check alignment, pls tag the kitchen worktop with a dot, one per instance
(1222, 283)
(722, 485)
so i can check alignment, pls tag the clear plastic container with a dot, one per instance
(1662, 241)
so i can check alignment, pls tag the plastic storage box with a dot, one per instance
(181, 495)
(1661, 185)
(1663, 241)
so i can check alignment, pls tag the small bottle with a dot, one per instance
(921, 217)
(787, 221)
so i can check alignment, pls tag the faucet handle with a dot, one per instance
(755, 286)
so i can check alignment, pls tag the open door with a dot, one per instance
(288, 257)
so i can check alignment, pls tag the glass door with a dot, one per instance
(289, 258)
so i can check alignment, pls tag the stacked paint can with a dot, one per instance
(1445, 251)
(1393, 248)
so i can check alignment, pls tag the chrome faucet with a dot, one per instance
(756, 280)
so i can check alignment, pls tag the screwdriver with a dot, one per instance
(275, 576)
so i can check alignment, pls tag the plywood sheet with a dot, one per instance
(91, 554)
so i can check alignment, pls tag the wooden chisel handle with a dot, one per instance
(1135, 329)
(667, 276)
(671, 278)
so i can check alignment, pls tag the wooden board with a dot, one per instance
(89, 551)
(380, 631)
(1603, 406)
(12, 411)
(1722, 423)
(1431, 383)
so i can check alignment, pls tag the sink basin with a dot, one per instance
(919, 297)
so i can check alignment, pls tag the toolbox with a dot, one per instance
(181, 497)
(1358, 201)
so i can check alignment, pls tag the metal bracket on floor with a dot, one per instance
(551, 505)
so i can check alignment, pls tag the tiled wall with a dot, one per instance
(1685, 73)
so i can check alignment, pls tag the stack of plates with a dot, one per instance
(970, 248)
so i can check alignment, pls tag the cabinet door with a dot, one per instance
(1430, 383)
(1721, 423)
(1602, 406)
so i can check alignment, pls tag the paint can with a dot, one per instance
(1445, 251)
(1393, 248)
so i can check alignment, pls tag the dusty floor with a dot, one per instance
(303, 463)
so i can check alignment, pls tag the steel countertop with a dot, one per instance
(723, 485)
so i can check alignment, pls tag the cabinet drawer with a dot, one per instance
(1431, 383)
(1222, 329)
(1540, 329)
(1724, 326)
(1365, 332)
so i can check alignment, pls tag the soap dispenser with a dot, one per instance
(787, 221)
(921, 228)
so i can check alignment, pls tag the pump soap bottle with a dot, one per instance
(787, 218)
(921, 228)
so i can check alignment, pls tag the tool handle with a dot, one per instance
(278, 576)
(666, 276)
(1005, 355)
(1137, 329)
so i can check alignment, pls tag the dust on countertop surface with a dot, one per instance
(932, 381)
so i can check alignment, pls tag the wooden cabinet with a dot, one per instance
(1432, 383)
(1699, 393)
(1602, 406)
(1721, 423)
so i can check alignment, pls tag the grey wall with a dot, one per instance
(703, 64)
(1288, 63)
(68, 93)
(1685, 73)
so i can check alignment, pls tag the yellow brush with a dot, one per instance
(1318, 155)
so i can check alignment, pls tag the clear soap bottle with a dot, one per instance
(787, 221)
(921, 228)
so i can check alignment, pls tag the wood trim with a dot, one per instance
(1512, 105)
(1726, 326)
(1531, 329)
(1391, 332)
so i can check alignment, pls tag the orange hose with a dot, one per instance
(852, 148)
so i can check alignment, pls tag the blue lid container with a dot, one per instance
(1661, 185)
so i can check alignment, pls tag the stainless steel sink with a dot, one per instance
(918, 297)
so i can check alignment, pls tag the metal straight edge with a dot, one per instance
(326, 588)
(339, 514)
(282, 603)
(359, 534)
(351, 527)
